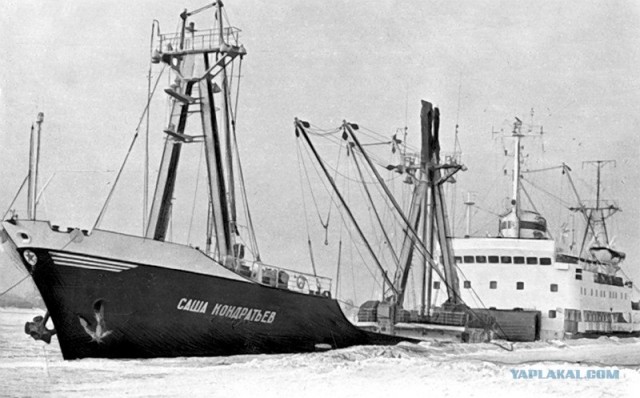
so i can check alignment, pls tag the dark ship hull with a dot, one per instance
(151, 311)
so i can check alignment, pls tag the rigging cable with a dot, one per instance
(195, 194)
(339, 261)
(243, 190)
(322, 180)
(346, 187)
(304, 203)
(377, 215)
(324, 224)
(145, 196)
(420, 248)
(16, 284)
(133, 141)
(15, 197)
(558, 199)
(330, 135)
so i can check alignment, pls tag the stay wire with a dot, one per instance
(313, 197)
(304, 202)
(16, 196)
(133, 141)
(243, 190)
(16, 284)
(341, 216)
(195, 194)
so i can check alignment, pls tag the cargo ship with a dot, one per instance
(113, 295)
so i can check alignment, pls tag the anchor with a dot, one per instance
(99, 331)
(38, 328)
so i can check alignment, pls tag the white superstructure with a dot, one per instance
(523, 268)
(571, 294)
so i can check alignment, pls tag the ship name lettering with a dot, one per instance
(243, 313)
(192, 305)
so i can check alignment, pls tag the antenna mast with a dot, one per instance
(596, 214)
(34, 159)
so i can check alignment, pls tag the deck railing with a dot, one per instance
(284, 278)
(208, 39)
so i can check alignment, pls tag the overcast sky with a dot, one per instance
(84, 64)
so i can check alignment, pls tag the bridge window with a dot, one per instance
(481, 259)
(467, 284)
(494, 259)
(493, 285)
(532, 260)
(458, 259)
(505, 259)
(552, 313)
(554, 287)
(545, 261)
(468, 259)
(520, 285)
(436, 285)
(518, 260)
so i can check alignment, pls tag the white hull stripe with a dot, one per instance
(80, 261)
(87, 266)
(91, 261)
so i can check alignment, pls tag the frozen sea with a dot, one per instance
(34, 369)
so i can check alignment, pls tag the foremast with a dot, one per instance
(199, 59)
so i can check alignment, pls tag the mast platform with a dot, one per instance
(201, 42)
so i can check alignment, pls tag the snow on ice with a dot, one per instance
(435, 369)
